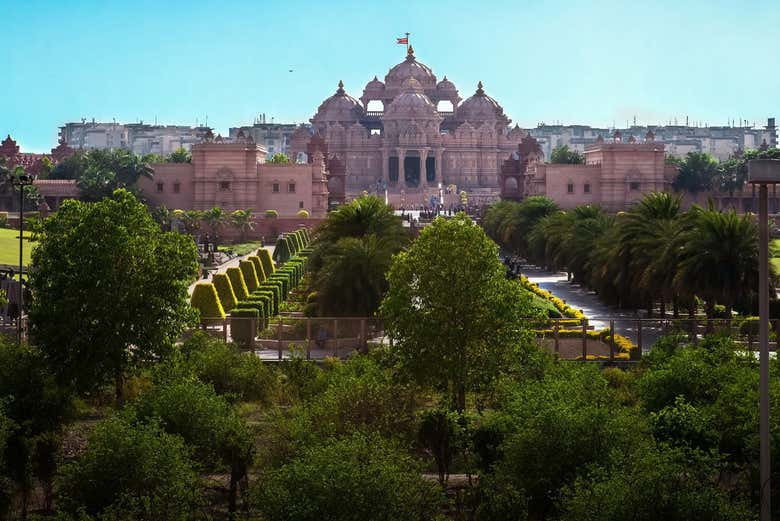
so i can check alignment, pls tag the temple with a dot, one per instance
(409, 135)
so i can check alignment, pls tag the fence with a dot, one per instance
(620, 340)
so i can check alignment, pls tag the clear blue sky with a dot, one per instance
(577, 62)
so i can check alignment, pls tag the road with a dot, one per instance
(598, 313)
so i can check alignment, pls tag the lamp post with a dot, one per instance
(21, 180)
(764, 172)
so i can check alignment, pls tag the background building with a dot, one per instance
(140, 138)
(275, 137)
(721, 142)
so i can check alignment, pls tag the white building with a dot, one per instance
(140, 138)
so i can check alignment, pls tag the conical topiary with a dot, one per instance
(250, 275)
(254, 259)
(205, 299)
(225, 291)
(268, 263)
(238, 283)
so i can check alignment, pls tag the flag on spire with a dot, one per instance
(402, 41)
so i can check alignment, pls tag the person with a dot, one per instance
(322, 337)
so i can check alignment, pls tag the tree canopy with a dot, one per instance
(562, 154)
(110, 289)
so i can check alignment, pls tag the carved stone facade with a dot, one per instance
(408, 134)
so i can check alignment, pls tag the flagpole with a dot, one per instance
(407, 43)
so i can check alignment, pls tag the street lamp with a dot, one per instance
(21, 180)
(764, 172)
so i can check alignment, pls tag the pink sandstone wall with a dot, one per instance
(169, 175)
(557, 178)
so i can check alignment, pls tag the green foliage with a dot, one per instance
(563, 155)
(131, 471)
(268, 263)
(259, 271)
(510, 223)
(243, 329)
(271, 214)
(250, 275)
(282, 250)
(244, 220)
(279, 159)
(303, 214)
(697, 172)
(99, 172)
(227, 296)
(453, 315)
(206, 301)
(180, 155)
(106, 278)
(362, 477)
(238, 283)
(733, 173)
(231, 373)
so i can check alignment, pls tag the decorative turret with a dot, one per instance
(482, 108)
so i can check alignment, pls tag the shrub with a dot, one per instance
(271, 214)
(559, 304)
(268, 263)
(225, 291)
(303, 214)
(273, 308)
(261, 303)
(205, 299)
(238, 283)
(244, 329)
(362, 477)
(250, 275)
(259, 270)
(275, 287)
(3, 219)
(284, 278)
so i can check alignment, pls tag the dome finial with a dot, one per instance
(410, 52)
(480, 91)
(341, 87)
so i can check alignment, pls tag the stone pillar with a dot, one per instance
(385, 167)
(423, 170)
(439, 165)
(401, 168)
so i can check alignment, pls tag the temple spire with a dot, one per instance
(341, 87)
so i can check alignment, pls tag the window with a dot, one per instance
(586, 188)
(159, 187)
(291, 188)
(275, 188)
(633, 186)
(224, 185)
(176, 188)
(570, 188)
(300, 204)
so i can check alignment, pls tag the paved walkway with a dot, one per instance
(598, 313)
(222, 268)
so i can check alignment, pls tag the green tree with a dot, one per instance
(563, 155)
(180, 155)
(131, 470)
(220, 439)
(510, 223)
(215, 218)
(279, 159)
(111, 290)
(362, 477)
(99, 172)
(697, 172)
(455, 319)
(243, 220)
(733, 173)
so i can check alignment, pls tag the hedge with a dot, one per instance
(254, 259)
(225, 291)
(243, 331)
(238, 283)
(273, 309)
(205, 299)
(282, 251)
(250, 275)
(268, 263)
(275, 288)
(284, 278)
(623, 346)
(560, 305)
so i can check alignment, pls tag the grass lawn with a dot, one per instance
(9, 247)
(774, 253)
(545, 305)
(242, 248)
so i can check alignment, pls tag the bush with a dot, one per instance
(284, 278)
(3, 219)
(131, 471)
(559, 304)
(267, 292)
(205, 299)
(261, 303)
(271, 214)
(362, 477)
(225, 291)
(238, 283)
(303, 214)
(244, 329)
(250, 275)
(268, 263)
(275, 287)
(259, 270)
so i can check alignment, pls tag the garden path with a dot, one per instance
(598, 313)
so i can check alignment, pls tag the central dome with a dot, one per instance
(412, 103)
(410, 68)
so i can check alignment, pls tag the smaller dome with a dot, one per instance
(375, 85)
(445, 84)
(412, 103)
(339, 107)
(481, 107)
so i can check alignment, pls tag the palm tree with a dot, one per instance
(244, 220)
(719, 258)
(215, 218)
(191, 220)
